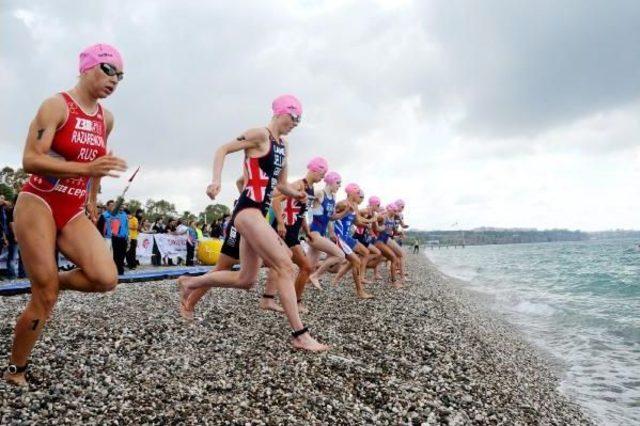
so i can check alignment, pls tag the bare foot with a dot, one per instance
(314, 280)
(335, 283)
(366, 282)
(377, 277)
(270, 305)
(15, 379)
(364, 295)
(186, 311)
(302, 309)
(308, 343)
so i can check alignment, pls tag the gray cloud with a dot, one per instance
(390, 94)
(523, 67)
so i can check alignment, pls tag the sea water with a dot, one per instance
(578, 301)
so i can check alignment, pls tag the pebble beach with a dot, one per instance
(425, 354)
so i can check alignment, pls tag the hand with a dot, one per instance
(213, 189)
(106, 165)
(310, 237)
(92, 211)
(281, 229)
(302, 196)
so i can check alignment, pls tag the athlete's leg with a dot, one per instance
(243, 279)
(268, 299)
(363, 252)
(352, 261)
(36, 232)
(334, 256)
(81, 243)
(399, 252)
(314, 256)
(387, 252)
(263, 242)
(304, 270)
(224, 263)
(374, 258)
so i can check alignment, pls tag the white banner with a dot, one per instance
(144, 249)
(172, 245)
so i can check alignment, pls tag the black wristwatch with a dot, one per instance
(14, 369)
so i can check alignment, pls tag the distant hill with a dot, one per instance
(617, 233)
(484, 236)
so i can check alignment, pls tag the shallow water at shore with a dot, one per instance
(579, 301)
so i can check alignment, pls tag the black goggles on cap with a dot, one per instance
(111, 71)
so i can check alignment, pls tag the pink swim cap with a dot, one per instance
(374, 201)
(332, 177)
(352, 188)
(392, 207)
(399, 202)
(286, 104)
(98, 54)
(318, 164)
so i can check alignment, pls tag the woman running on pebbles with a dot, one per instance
(264, 170)
(347, 214)
(228, 258)
(398, 225)
(386, 226)
(364, 234)
(65, 150)
(321, 230)
(290, 218)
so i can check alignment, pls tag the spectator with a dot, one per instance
(133, 239)
(206, 229)
(158, 226)
(198, 229)
(104, 223)
(145, 226)
(119, 234)
(10, 239)
(192, 242)
(3, 220)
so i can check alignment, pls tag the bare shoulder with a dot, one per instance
(299, 184)
(53, 109)
(108, 118)
(258, 134)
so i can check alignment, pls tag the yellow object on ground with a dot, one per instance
(209, 250)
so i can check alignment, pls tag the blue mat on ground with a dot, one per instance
(24, 286)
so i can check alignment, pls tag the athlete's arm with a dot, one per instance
(319, 198)
(340, 211)
(285, 187)
(96, 180)
(240, 183)
(332, 232)
(35, 159)
(361, 220)
(305, 228)
(251, 139)
(276, 203)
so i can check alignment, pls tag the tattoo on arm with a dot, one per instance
(40, 132)
(35, 324)
(241, 138)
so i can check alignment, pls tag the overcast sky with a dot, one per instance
(492, 113)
